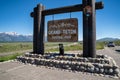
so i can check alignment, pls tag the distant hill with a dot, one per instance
(14, 37)
(107, 39)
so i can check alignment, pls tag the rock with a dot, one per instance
(106, 71)
(101, 75)
(110, 71)
(101, 70)
(96, 69)
(115, 66)
(116, 71)
(85, 60)
(102, 62)
(105, 56)
(89, 65)
(82, 68)
(100, 65)
(92, 69)
(29, 60)
(96, 74)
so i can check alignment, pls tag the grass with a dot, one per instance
(15, 46)
(99, 45)
(9, 57)
(66, 48)
(49, 44)
(78, 46)
(73, 47)
(19, 46)
(117, 42)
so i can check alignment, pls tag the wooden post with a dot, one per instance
(35, 28)
(40, 35)
(85, 32)
(89, 29)
(61, 49)
(38, 32)
(92, 30)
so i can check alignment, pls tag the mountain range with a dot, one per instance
(15, 37)
(108, 39)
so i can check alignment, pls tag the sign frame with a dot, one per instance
(62, 30)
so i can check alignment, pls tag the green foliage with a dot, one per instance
(67, 48)
(9, 57)
(78, 46)
(8, 47)
(73, 47)
(117, 42)
(49, 44)
(100, 45)
(19, 46)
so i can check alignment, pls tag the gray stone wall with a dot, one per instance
(101, 65)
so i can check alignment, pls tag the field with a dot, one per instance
(73, 46)
(18, 46)
(11, 50)
(15, 46)
(9, 57)
(21, 46)
(49, 46)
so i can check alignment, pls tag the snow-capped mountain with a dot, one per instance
(14, 37)
(11, 33)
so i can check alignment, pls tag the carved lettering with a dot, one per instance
(65, 30)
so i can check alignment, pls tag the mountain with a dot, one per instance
(108, 39)
(14, 37)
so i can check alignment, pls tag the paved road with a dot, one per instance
(113, 52)
(18, 71)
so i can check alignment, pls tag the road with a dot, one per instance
(17, 71)
(113, 52)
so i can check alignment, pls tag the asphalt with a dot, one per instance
(13, 70)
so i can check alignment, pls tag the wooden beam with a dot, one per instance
(74, 8)
(99, 5)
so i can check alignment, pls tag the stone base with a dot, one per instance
(102, 64)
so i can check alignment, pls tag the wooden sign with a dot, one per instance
(64, 30)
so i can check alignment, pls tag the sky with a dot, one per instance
(15, 16)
